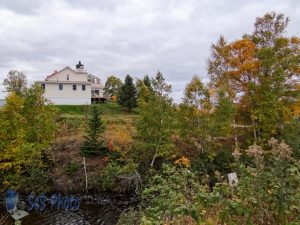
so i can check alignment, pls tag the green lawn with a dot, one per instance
(110, 112)
(105, 109)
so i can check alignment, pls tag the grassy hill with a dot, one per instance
(106, 109)
(110, 112)
(119, 130)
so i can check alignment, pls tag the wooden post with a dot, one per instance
(235, 136)
(254, 131)
(86, 179)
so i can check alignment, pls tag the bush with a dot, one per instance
(213, 165)
(37, 180)
(171, 195)
(267, 193)
(72, 109)
(291, 134)
(130, 217)
(113, 177)
(72, 168)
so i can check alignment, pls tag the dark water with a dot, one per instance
(103, 209)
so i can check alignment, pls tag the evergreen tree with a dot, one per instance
(147, 82)
(144, 89)
(128, 94)
(94, 144)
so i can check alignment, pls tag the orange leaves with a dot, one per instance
(110, 145)
(234, 65)
(242, 62)
(113, 98)
(244, 49)
(183, 161)
(295, 41)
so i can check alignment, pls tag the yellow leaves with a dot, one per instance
(119, 137)
(26, 127)
(295, 40)
(196, 95)
(183, 161)
(119, 134)
(4, 166)
(296, 105)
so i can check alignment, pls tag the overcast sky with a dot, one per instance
(120, 37)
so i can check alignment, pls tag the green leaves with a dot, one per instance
(257, 72)
(112, 86)
(94, 144)
(27, 128)
(170, 196)
(156, 123)
(127, 95)
(15, 82)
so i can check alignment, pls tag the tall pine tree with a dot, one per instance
(94, 145)
(128, 94)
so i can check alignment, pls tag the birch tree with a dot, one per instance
(157, 118)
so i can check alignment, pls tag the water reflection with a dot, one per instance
(103, 209)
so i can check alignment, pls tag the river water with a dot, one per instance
(103, 209)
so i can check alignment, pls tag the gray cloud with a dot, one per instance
(122, 37)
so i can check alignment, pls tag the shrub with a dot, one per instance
(37, 180)
(267, 193)
(171, 195)
(114, 176)
(130, 217)
(72, 168)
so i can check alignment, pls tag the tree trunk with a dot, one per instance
(155, 155)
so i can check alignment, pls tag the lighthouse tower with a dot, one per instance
(80, 67)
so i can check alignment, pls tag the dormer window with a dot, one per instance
(68, 77)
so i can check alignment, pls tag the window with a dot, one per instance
(74, 87)
(83, 87)
(97, 92)
(68, 77)
(60, 87)
(43, 86)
